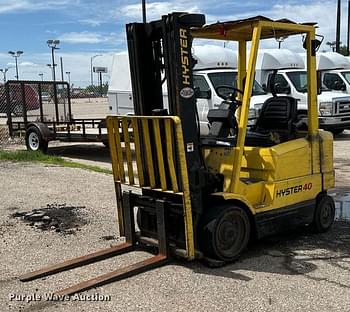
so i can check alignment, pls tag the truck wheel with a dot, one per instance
(225, 232)
(336, 131)
(35, 141)
(324, 214)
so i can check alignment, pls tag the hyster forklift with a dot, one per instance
(205, 197)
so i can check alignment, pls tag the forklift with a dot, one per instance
(205, 197)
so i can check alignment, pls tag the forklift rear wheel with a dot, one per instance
(226, 232)
(324, 214)
(35, 141)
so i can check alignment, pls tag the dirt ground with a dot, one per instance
(295, 271)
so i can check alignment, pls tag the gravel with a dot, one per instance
(295, 271)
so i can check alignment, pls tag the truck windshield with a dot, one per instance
(346, 75)
(230, 79)
(299, 80)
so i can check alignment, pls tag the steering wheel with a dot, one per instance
(231, 100)
(230, 97)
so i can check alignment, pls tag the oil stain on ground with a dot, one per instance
(60, 218)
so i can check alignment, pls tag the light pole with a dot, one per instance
(52, 70)
(337, 34)
(4, 71)
(53, 45)
(143, 4)
(68, 74)
(41, 75)
(332, 45)
(16, 55)
(280, 40)
(91, 59)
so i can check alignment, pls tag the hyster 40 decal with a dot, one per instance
(294, 189)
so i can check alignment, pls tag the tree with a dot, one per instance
(343, 50)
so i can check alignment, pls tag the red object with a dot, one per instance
(31, 96)
(222, 30)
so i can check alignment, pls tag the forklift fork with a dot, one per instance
(156, 261)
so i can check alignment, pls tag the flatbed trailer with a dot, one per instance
(45, 114)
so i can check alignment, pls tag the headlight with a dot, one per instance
(252, 113)
(258, 106)
(326, 108)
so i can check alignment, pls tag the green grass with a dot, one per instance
(26, 156)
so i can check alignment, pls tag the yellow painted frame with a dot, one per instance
(253, 31)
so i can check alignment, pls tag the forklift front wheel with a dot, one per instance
(226, 232)
(324, 214)
(35, 141)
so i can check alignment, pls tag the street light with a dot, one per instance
(52, 70)
(41, 76)
(16, 55)
(280, 40)
(53, 45)
(92, 77)
(332, 45)
(4, 71)
(68, 74)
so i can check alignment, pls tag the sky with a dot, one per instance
(87, 28)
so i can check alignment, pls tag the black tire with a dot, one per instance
(225, 232)
(336, 131)
(324, 214)
(35, 141)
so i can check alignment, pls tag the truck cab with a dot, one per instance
(291, 79)
(334, 71)
(215, 66)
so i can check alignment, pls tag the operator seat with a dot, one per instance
(276, 122)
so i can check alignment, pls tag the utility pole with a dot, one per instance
(348, 37)
(41, 76)
(337, 39)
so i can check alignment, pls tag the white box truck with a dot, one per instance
(291, 79)
(215, 66)
(334, 69)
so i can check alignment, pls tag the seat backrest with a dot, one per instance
(278, 114)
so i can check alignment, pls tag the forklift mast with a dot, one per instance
(159, 51)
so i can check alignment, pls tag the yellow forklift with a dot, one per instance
(205, 197)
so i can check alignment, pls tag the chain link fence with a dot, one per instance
(22, 102)
(5, 137)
